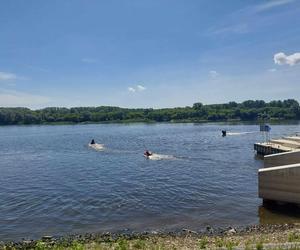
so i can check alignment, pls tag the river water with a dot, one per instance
(52, 183)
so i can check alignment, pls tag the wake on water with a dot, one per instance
(157, 157)
(154, 157)
(241, 133)
(96, 146)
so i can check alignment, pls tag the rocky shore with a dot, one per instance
(253, 237)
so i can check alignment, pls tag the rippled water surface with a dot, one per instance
(51, 182)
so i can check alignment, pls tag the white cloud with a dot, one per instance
(130, 89)
(271, 4)
(88, 60)
(20, 99)
(5, 76)
(138, 88)
(272, 70)
(281, 58)
(213, 74)
(141, 88)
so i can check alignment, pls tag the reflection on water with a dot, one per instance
(259, 157)
(274, 213)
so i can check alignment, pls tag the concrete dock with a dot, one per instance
(268, 148)
(279, 180)
(282, 159)
(276, 146)
(293, 138)
(280, 183)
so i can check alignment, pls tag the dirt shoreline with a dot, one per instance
(285, 236)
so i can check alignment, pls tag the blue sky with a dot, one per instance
(147, 53)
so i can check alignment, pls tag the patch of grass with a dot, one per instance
(293, 236)
(156, 246)
(40, 245)
(77, 246)
(249, 245)
(139, 244)
(202, 243)
(219, 242)
(259, 245)
(230, 244)
(122, 244)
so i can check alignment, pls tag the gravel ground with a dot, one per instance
(253, 237)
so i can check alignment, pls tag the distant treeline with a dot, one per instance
(245, 111)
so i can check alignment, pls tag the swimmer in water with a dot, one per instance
(147, 153)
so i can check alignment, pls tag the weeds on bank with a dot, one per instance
(293, 236)
(229, 244)
(259, 245)
(219, 242)
(139, 244)
(256, 242)
(202, 243)
(40, 245)
(122, 244)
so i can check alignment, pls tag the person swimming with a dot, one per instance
(224, 132)
(93, 142)
(147, 153)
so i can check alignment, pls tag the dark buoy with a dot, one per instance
(223, 133)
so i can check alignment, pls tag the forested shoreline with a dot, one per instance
(249, 110)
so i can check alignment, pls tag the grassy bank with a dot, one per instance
(255, 237)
